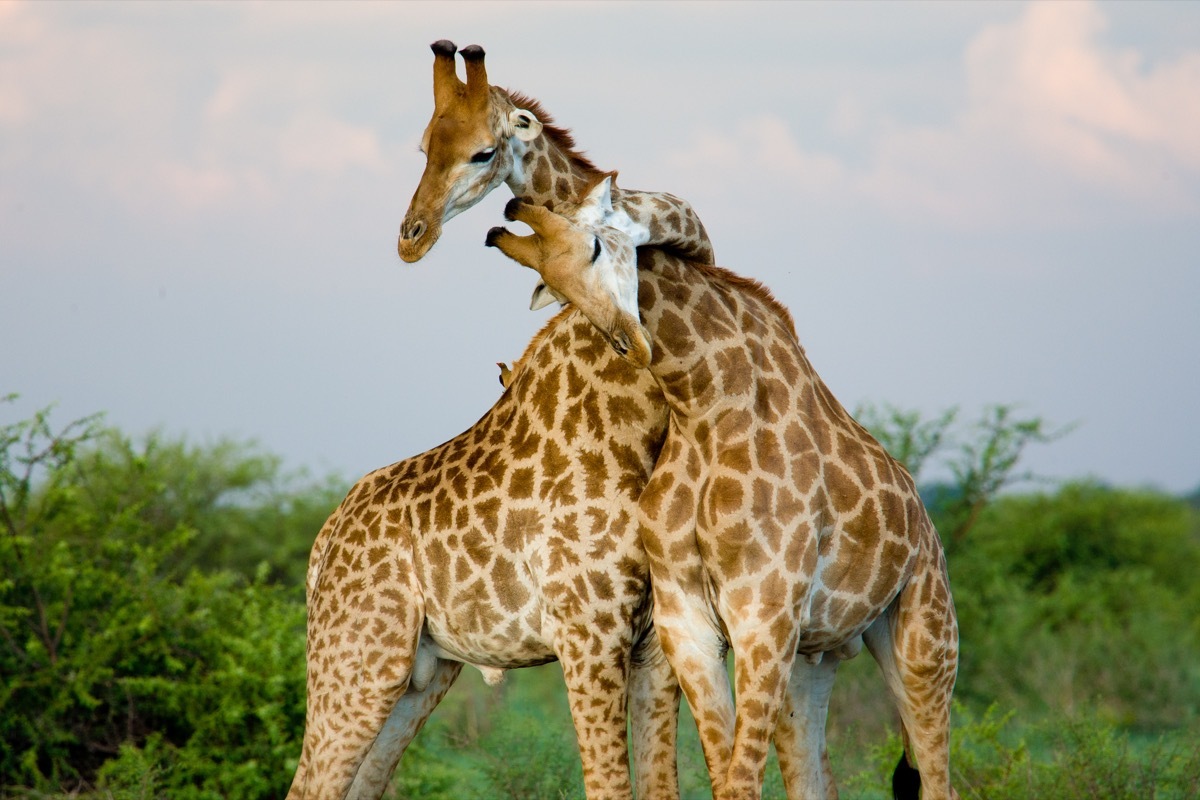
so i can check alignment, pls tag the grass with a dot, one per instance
(517, 741)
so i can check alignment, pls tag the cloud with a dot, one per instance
(100, 103)
(1056, 129)
(1091, 110)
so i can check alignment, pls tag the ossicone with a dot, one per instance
(472, 52)
(511, 208)
(494, 234)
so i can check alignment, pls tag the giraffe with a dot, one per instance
(481, 136)
(773, 523)
(511, 545)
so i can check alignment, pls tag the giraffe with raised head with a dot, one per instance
(511, 545)
(481, 136)
(773, 522)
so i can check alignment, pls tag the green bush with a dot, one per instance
(152, 635)
(1084, 598)
(122, 664)
(243, 508)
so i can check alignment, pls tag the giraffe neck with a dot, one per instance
(547, 171)
(546, 174)
(713, 339)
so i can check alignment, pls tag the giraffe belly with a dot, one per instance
(485, 638)
(839, 607)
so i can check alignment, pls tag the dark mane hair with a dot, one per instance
(751, 286)
(560, 137)
(740, 283)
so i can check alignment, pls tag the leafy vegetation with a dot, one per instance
(152, 631)
(124, 663)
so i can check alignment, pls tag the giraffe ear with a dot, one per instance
(526, 126)
(543, 296)
(600, 197)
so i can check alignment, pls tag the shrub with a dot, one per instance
(121, 665)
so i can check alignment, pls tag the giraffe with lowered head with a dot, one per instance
(772, 522)
(511, 545)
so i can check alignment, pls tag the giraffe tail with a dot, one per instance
(906, 781)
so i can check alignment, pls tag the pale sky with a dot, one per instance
(961, 203)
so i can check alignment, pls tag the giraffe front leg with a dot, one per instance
(654, 721)
(694, 647)
(596, 670)
(687, 624)
(764, 640)
(800, 731)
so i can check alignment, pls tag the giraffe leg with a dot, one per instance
(361, 657)
(596, 670)
(339, 734)
(687, 625)
(915, 643)
(761, 674)
(696, 651)
(800, 733)
(654, 721)
(405, 721)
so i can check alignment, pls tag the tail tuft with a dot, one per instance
(906, 781)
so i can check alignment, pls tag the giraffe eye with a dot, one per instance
(483, 156)
(595, 249)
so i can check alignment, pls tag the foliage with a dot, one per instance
(982, 460)
(1055, 760)
(121, 661)
(1083, 599)
(243, 509)
(152, 632)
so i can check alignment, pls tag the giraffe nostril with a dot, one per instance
(413, 231)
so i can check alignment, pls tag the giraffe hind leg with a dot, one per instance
(915, 643)
(404, 722)
(654, 721)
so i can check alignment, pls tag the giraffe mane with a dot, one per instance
(755, 287)
(559, 136)
(751, 286)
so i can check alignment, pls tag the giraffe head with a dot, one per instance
(470, 146)
(584, 262)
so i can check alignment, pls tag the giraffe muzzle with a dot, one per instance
(633, 345)
(415, 240)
